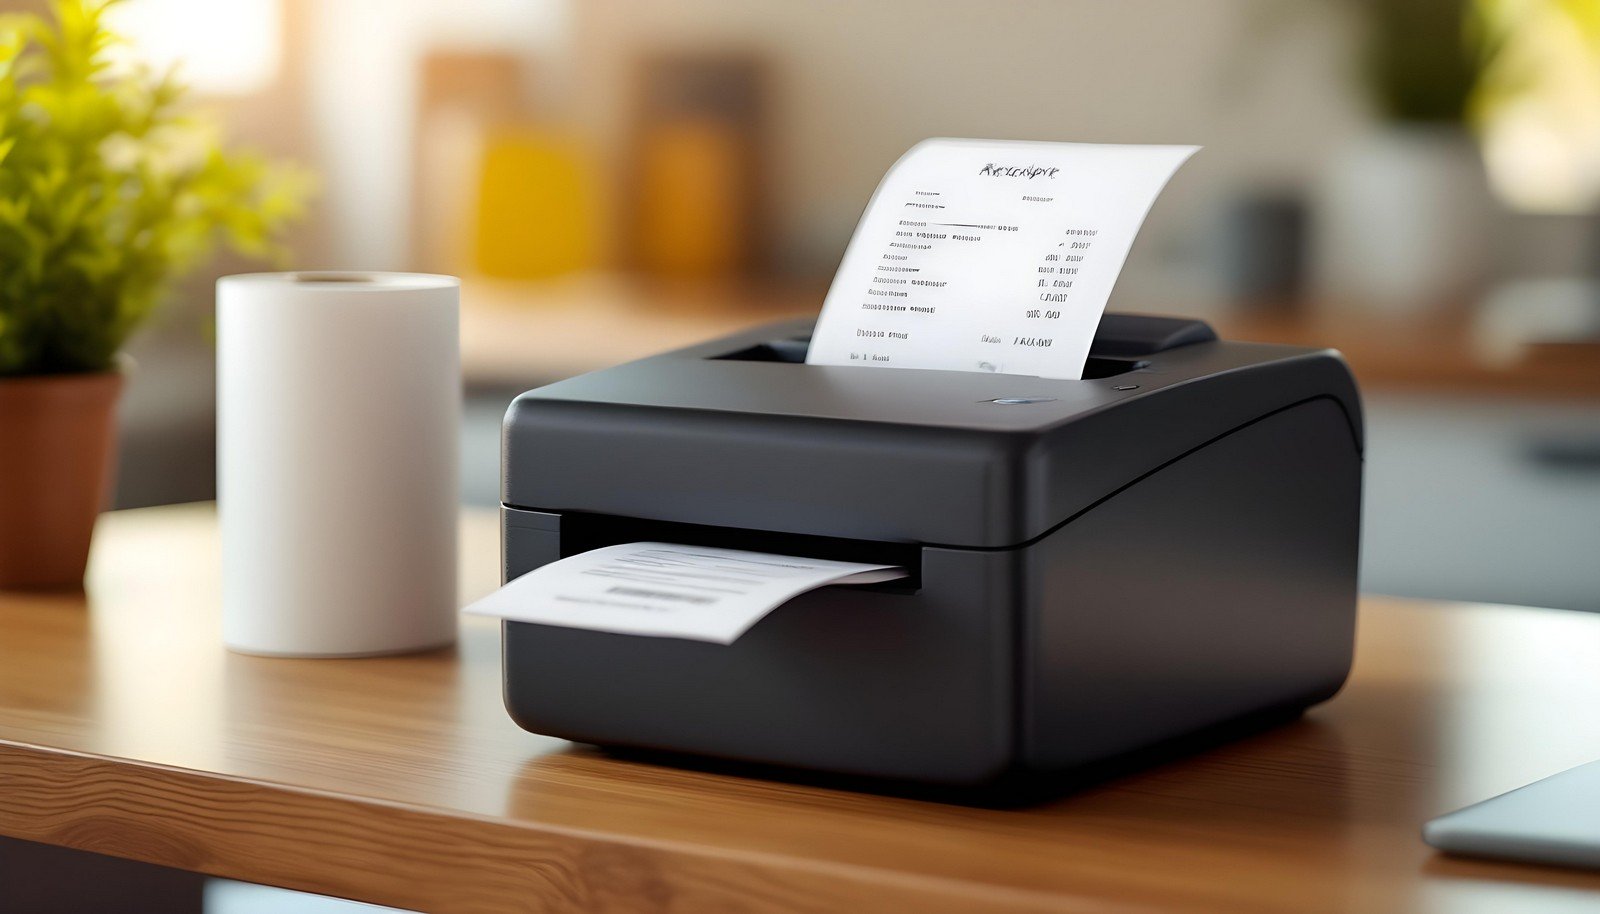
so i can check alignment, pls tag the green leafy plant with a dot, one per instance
(1422, 59)
(1442, 61)
(109, 190)
(1524, 57)
(1437, 61)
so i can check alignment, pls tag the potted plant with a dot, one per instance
(1407, 217)
(1405, 211)
(108, 190)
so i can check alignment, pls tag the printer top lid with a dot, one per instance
(739, 432)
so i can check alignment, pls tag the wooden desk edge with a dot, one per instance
(349, 847)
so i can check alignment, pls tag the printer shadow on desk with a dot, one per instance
(1013, 790)
(1097, 567)
(1286, 790)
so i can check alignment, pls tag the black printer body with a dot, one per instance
(1096, 567)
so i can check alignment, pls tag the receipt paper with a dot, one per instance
(990, 255)
(667, 590)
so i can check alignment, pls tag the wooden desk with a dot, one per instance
(125, 728)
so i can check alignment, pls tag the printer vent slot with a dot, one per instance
(584, 532)
(792, 351)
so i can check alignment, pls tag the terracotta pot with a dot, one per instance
(57, 437)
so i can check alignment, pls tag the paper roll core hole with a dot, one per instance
(334, 277)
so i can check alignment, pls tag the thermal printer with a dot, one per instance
(1095, 567)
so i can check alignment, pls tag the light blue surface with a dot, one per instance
(1460, 506)
(1555, 821)
(223, 896)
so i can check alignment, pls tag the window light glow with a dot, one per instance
(220, 47)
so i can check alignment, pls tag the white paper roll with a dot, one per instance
(338, 398)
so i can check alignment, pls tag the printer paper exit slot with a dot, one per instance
(668, 590)
(586, 532)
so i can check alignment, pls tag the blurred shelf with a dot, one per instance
(1437, 356)
(517, 335)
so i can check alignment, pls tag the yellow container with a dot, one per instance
(538, 213)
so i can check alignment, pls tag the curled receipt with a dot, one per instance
(990, 255)
(668, 590)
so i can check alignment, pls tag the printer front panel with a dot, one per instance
(916, 685)
(807, 476)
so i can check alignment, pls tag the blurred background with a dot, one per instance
(1414, 182)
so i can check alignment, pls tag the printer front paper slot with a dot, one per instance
(583, 532)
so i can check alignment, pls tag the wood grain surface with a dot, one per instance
(126, 729)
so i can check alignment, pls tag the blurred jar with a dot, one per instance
(1404, 223)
